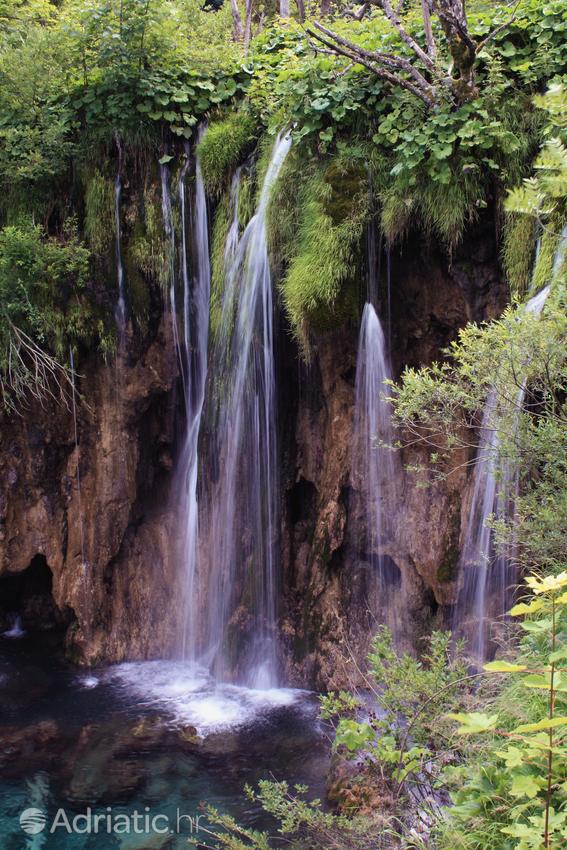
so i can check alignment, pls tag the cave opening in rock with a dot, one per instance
(302, 501)
(26, 600)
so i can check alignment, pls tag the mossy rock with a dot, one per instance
(223, 147)
(321, 241)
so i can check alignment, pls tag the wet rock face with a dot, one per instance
(332, 593)
(109, 545)
(105, 542)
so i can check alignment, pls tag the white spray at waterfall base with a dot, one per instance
(227, 547)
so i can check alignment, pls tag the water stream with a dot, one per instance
(195, 348)
(374, 466)
(240, 628)
(120, 310)
(488, 575)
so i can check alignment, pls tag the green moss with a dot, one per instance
(446, 570)
(518, 246)
(221, 225)
(246, 200)
(282, 220)
(223, 147)
(332, 211)
(544, 260)
(442, 209)
(148, 251)
(99, 213)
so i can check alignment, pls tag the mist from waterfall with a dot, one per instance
(487, 574)
(374, 468)
(243, 510)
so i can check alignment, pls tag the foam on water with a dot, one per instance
(15, 631)
(191, 696)
(88, 682)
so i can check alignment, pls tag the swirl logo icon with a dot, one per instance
(33, 821)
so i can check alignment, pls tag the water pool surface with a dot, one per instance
(126, 743)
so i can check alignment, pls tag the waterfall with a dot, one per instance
(374, 471)
(120, 310)
(240, 604)
(194, 350)
(168, 226)
(488, 576)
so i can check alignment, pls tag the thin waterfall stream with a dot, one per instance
(195, 343)
(120, 310)
(374, 467)
(488, 575)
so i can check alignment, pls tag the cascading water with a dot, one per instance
(487, 575)
(240, 608)
(195, 344)
(120, 310)
(168, 226)
(374, 470)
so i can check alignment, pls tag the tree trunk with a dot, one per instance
(301, 10)
(237, 28)
(284, 8)
(248, 27)
(453, 19)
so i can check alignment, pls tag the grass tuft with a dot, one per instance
(223, 147)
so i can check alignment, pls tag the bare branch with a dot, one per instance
(426, 14)
(396, 22)
(366, 59)
(389, 61)
(32, 372)
(498, 29)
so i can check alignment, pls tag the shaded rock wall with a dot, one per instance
(110, 547)
(332, 594)
(106, 541)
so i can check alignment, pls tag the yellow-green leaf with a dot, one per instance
(473, 723)
(547, 723)
(524, 786)
(504, 667)
(523, 608)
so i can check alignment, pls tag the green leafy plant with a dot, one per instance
(45, 307)
(530, 758)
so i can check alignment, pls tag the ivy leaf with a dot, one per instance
(513, 756)
(537, 626)
(165, 159)
(320, 103)
(535, 680)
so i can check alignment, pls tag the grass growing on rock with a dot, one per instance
(223, 147)
(320, 239)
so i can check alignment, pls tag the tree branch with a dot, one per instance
(394, 19)
(366, 59)
(422, 87)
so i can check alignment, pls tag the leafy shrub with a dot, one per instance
(45, 307)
